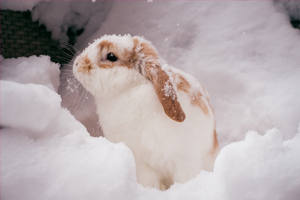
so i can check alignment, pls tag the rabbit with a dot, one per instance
(161, 113)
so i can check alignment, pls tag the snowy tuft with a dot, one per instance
(168, 90)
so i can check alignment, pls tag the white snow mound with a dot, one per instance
(39, 70)
(260, 167)
(47, 154)
(28, 106)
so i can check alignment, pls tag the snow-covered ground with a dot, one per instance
(246, 54)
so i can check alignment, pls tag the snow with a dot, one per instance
(38, 70)
(248, 62)
(271, 167)
(257, 168)
(20, 116)
(291, 7)
(70, 16)
(18, 5)
(64, 162)
(53, 149)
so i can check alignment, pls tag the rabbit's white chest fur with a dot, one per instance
(165, 151)
(162, 114)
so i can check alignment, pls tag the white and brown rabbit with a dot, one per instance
(161, 113)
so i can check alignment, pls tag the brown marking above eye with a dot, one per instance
(110, 47)
(106, 45)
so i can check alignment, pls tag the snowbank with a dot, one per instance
(47, 154)
(27, 115)
(260, 167)
(38, 70)
(44, 149)
(249, 63)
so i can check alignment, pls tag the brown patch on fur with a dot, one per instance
(198, 101)
(183, 85)
(134, 59)
(85, 65)
(203, 89)
(215, 142)
(123, 63)
(141, 53)
(105, 65)
(108, 65)
(148, 51)
(215, 147)
(129, 55)
(146, 58)
(132, 55)
(135, 42)
(170, 103)
(109, 47)
(143, 48)
(106, 45)
(209, 104)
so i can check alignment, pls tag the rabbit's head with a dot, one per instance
(112, 64)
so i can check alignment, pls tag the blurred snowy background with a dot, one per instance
(247, 56)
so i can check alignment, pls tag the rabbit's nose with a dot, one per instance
(85, 64)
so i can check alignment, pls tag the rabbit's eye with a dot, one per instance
(111, 57)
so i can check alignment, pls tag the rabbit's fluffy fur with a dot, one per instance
(161, 113)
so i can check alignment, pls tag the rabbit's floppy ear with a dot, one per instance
(165, 92)
(149, 66)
